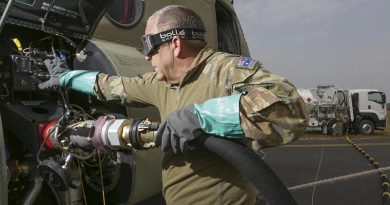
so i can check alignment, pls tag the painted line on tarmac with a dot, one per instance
(338, 145)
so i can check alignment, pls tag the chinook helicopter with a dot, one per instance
(101, 35)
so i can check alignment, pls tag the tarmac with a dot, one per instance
(325, 158)
(350, 177)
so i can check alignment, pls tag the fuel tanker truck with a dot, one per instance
(47, 149)
(335, 111)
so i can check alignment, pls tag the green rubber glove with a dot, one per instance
(220, 116)
(79, 80)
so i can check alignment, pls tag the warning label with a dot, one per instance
(60, 10)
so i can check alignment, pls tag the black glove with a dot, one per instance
(178, 130)
(56, 68)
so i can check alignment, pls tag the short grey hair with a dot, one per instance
(177, 16)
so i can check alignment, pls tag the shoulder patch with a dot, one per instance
(245, 62)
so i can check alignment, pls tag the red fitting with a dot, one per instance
(44, 129)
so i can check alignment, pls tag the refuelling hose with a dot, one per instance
(248, 163)
(250, 166)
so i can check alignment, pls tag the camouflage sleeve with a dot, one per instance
(140, 90)
(272, 112)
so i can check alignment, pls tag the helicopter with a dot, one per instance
(101, 35)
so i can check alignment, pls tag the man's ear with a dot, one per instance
(177, 46)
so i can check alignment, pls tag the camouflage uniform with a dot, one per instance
(272, 113)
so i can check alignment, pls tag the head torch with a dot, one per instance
(152, 41)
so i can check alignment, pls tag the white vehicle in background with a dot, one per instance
(334, 110)
(367, 110)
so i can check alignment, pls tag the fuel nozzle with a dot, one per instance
(107, 133)
(142, 134)
(128, 133)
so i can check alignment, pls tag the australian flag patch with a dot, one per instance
(244, 62)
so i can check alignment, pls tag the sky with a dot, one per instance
(319, 42)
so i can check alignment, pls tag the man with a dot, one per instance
(200, 91)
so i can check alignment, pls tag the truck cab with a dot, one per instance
(100, 35)
(367, 110)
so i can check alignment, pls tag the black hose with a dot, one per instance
(252, 167)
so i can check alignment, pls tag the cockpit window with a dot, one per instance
(227, 28)
(125, 13)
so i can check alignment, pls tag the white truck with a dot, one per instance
(367, 110)
(335, 110)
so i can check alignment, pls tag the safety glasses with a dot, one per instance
(152, 41)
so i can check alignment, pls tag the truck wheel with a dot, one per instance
(366, 127)
(332, 129)
(335, 129)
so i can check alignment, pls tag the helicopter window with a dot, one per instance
(228, 35)
(125, 13)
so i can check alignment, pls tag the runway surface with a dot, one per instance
(319, 158)
(312, 160)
